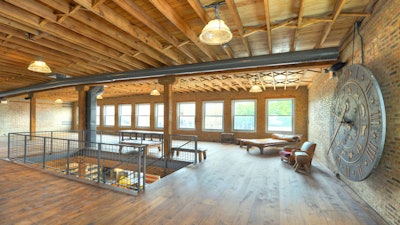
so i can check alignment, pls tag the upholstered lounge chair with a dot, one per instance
(301, 158)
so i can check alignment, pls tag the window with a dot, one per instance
(109, 115)
(159, 115)
(280, 115)
(186, 115)
(143, 115)
(213, 116)
(244, 114)
(97, 115)
(125, 115)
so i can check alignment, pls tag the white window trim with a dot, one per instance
(136, 115)
(293, 116)
(178, 116)
(156, 116)
(204, 117)
(120, 115)
(255, 115)
(105, 115)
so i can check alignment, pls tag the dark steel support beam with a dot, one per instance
(289, 58)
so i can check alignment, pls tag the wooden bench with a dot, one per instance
(138, 143)
(201, 152)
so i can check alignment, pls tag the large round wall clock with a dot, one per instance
(358, 127)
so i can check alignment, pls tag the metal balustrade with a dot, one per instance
(98, 162)
(108, 159)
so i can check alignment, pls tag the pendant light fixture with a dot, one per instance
(58, 101)
(39, 66)
(255, 88)
(216, 32)
(155, 92)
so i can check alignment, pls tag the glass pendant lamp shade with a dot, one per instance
(216, 32)
(155, 92)
(255, 89)
(39, 66)
(58, 101)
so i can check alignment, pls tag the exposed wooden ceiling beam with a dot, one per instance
(228, 83)
(286, 79)
(300, 77)
(29, 19)
(234, 78)
(336, 12)
(239, 25)
(180, 23)
(21, 26)
(273, 80)
(268, 25)
(297, 30)
(113, 17)
(139, 14)
(198, 8)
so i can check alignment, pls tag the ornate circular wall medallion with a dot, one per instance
(358, 129)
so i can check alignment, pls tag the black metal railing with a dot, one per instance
(64, 153)
(112, 158)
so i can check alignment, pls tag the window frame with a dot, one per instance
(267, 115)
(120, 115)
(178, 116)
(254, 116)
(105, 115)
(98, 115)
(157, 116)
(137, 115)
(213, 116)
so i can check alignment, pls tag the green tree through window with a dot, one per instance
(280, 115)
(244, 115)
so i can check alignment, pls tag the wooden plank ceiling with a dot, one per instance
(88, 37)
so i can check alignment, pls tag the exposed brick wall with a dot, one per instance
(14, 116)
(381, 34)
(301, 110)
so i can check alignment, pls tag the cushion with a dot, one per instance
(285, 153)
(286, 137)
(301, 154)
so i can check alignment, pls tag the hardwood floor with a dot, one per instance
(231, 186)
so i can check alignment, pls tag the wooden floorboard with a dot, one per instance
(231, 186)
